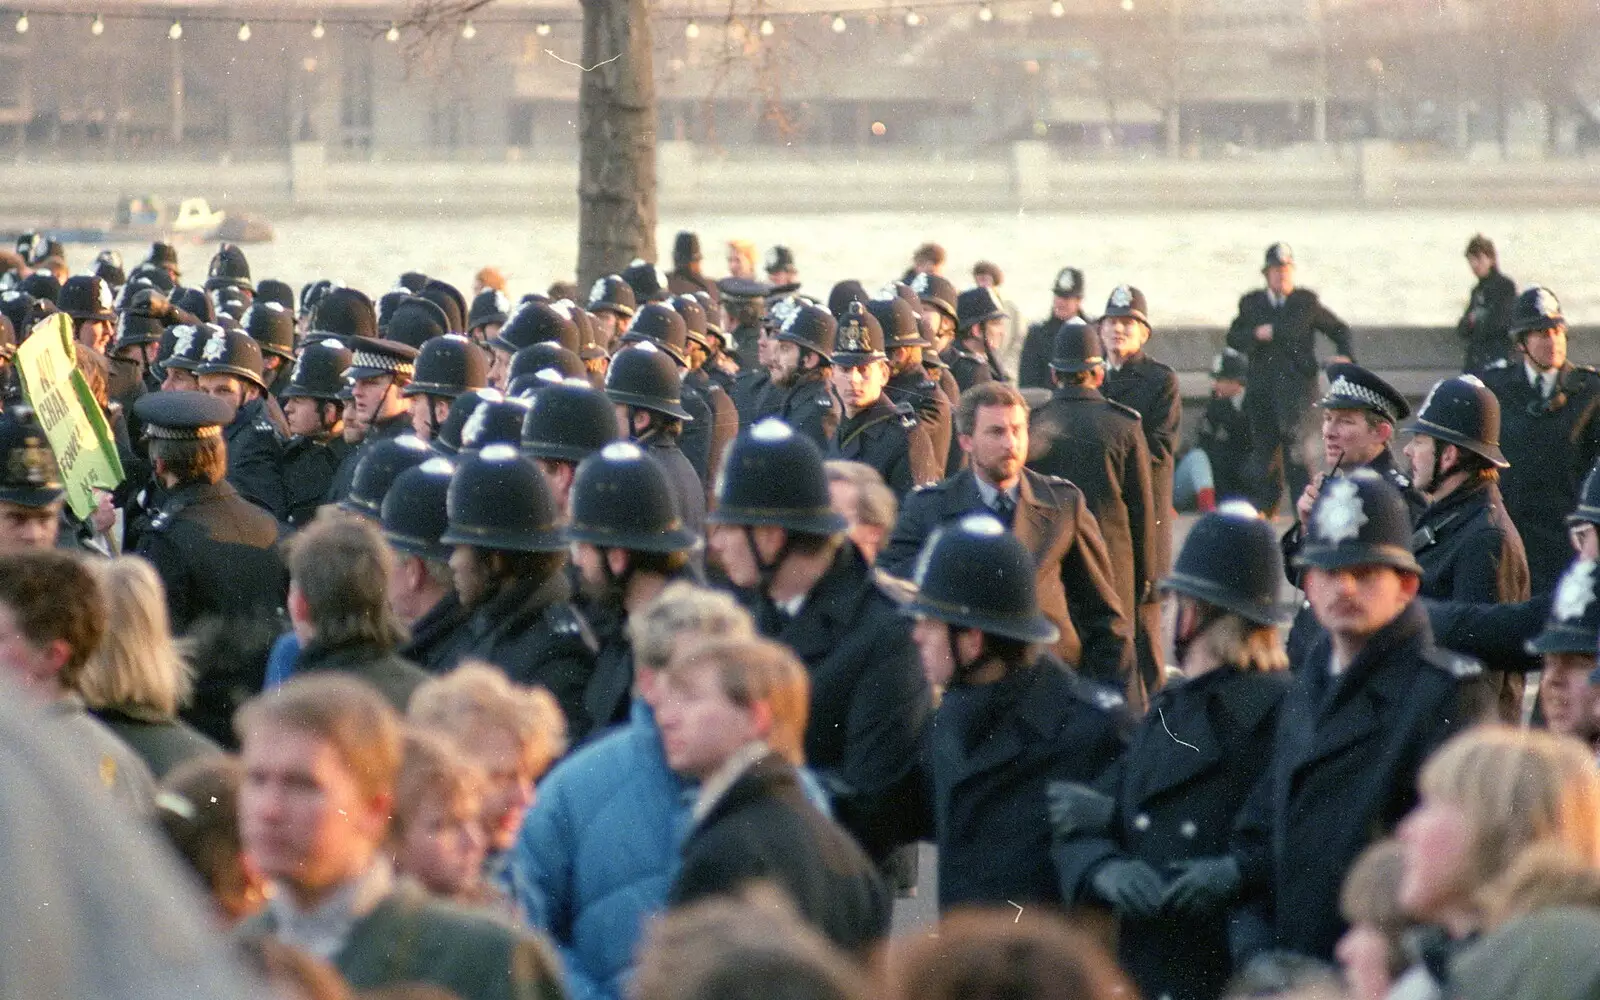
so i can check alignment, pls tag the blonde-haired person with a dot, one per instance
(1372, 952)
(742, 259)
(436, 835)
(1486, 796)
(1157, 851)
(136, 680)
(513, 733)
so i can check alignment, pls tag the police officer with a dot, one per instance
(1550, 430)
(415, 321)
(31, 495)
(800, 361)
(721, 418)
(272, 327)
(745, 301)
(566, 423)
(448, 441)
(937, 322)
(754, 395)
(649, 282)
(380, 465)
(313, 413)
(446, 367)
(179, 356)
(686, 278)
(422, 589)
(1098, 445)
(1276, 327)
(628, 542)
(1466, 543)
(493, 421)
(612, 303)
(909, 384)
(980, 327)
(132, 355)
(87, 300)
(1485, 328)
(783, 545)
(875, 431)
(644, 386)
(507, 562)
(230, 369)
(1010, 720)
(541, 364)
(531, 323)
(674, 338)
(1222, 439)
(230, 271)
(1373, 700)
(378, 374)
(1157, 850)
(487, 314)
(1066, 306)
(216, 552)
(782, 271)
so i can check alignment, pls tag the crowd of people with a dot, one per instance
(626, 645)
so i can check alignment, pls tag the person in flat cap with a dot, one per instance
(872, 429)
(315, 418)
(686, 278)
(1066, 306)
(378, 375)
(1550, 429)
(1485, 327)
(215, 551)
(1276, 328)
(31, 494)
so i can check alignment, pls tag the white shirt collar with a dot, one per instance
(987, 491)
(322, 930)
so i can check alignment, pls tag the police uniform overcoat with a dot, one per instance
(532, 632)
(1076, 586)
(868, 697)
(216, 553)
(989, 752)
(255, 458)
(345, 475)
(1551, 445)
(1469, 549)
(1150, 387)
(888, 438)
(309, 465)
(968, 368)
(695, 438)
(915, 389)
(807, 406)
(1343, 771)
(723, 422)
(687, 486)
(754, 396)
(438, 637)
(1038, 344)
(1174, 801)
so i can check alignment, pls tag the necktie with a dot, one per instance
(1004, 508)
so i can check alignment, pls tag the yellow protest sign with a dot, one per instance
(72, 420)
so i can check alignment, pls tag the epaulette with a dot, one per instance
(825, 401)
(1586, 369)
(1462, 668)
(1400, 479)
(909, 420)
(566, 620)
(1496, 365)
(266, 426)
(925, 487)
(159, 522)
(1125, 408)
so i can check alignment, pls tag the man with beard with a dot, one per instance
(628, 542)
(378, 374)
(909, 384)
(800, 360)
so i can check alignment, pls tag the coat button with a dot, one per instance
(1141, 822)
(1187, 829)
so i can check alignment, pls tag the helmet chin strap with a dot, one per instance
(768, 570)
(616, 584)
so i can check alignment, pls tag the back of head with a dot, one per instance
(338, 709)
(341, 566)
(198, 812)
(476, 698)
(751, 670)
(53, 596)
(137, 666)
(684, 610)
(988, 955)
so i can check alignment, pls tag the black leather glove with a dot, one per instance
(1131, 887)
(1077, 810)
(1203, 887)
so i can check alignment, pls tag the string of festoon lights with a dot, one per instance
(838, 18)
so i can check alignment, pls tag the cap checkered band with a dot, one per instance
(1345, 391)
(183, 433)
(382, 363)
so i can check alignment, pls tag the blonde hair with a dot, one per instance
(432, 769)
(339, 709)
(684, 609)
(137, 664)
(746, 251)
(1245, 645)
(1371, 896)
(1517, 788)
(475, 696)
(1543, 876)
(750, 670)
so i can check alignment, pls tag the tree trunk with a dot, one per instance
(617, 139)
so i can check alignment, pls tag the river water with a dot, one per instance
(1369, 266)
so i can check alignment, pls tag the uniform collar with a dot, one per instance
(987, 491)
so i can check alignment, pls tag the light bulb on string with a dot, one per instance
(691, 30)
(393, 34)
(22, 24)
(838, 24)
(767, 27)
(986, 13)
(318, 31)
(1057, 8)
(469, 31)
(176, 31)
(97, 27)
(913, 19)
(244, 32)
(543, 30)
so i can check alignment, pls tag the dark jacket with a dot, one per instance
(687, 486)
(1283, 370)
(1551, 445)
(1074, 580)
(439, 636)
(1485, 327)
(723, 423)
(1469, 549)
(346, 473)
(684, 282)
(162, 743)
(532, 632)
(394, 676)
(216, 554)
(1151, 388)
(969, 368)
(309, 466)
(1224, 435)
(1099, 447)
(868, 696)
(609, 692)
(888, 438)
(255, 456)
(989, 751)
(695, 439)
(412, 938)
(915, 389)
(764, 829)
(1493, 633)
(1038, 344)
(808, 407)
(1175, 801)
(754, 395)
(1343, 771)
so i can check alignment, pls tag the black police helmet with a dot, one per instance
(493, 421)
(447, 439)
(546, 357)
(644, 376)
(845, 292)
(319, 371)
(662, 325)
(232, 352)
(416, 321)
(813, 328)
(85, 296)
(498, 499)
(859, 340)
(649, 282)
(977, 305)
(1536, 309)
(271, 326)
(694, 318)
(1077, 348)
(936, 291)
(228, 268)
(1126, 300)
(1464, 412)
(1235, 365)
(1359, 519)
(181, 346)
(134, 330)
(1232, 559)
(381, 462)
(774, 476)
(29, 476)
(447, 366)
(614, 295)
(973, 573)
(621, 500)
(899, 322)
(1573, 625)
(1588, 510)
(536, 323)
(345, 312)
(568, 421)
(273, 290)
(450, 301)
(413, 514)
(489, 307)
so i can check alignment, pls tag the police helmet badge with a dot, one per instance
(774, 259)
(474, 427)
(853, 336)
(1545, 302)
(297, 377)
(213, 349)
(1575, 592)
(29, 463)
(1121, 297)
(597, 291)
(784, 309)
(183, 339)
(1340, 516)
(920, 283)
